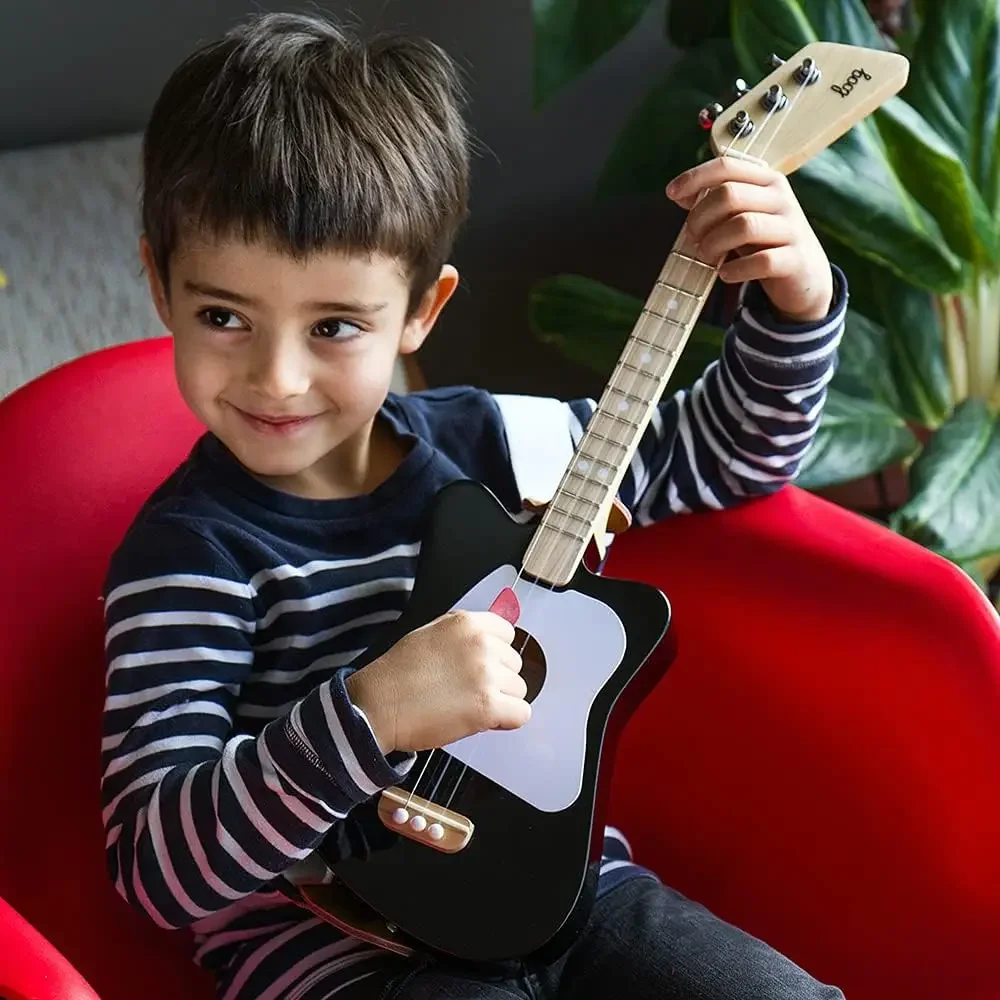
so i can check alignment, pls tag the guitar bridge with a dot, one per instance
(425, 822)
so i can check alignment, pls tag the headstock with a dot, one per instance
(818, 95)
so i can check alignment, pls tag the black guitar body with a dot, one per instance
(525, 882)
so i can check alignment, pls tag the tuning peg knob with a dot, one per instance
(774, 98)
(740, 88)
(708, 115)
(807, 73)
(741, 126)
(774, 61)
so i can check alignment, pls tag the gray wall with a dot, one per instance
(98, 72)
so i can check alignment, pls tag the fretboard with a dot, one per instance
(580, 505)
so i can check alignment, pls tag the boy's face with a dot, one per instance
(287, 361)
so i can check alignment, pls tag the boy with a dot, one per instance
(301, 194)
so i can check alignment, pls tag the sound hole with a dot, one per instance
(532, 663)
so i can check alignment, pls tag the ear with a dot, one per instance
(419, 325)
(156, 289)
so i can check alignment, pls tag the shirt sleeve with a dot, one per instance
(196, 814)
(742, 430)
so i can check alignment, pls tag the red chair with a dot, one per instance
(820, 765)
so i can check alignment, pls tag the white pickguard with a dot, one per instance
(583, 642)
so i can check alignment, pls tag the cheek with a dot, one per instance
(360, 381)
(200, 374)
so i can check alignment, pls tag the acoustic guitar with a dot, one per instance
(489, 850)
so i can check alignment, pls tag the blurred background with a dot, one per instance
(582, 112)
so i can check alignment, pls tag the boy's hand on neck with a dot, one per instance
(456, 676)
(749, 210)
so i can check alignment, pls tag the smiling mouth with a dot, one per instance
(269, 424)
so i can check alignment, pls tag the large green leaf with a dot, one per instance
(588, 323)
(955, 84)
(914, 336)
(855, 438)
(850, 190)
(690, 23)
(662, 137)
(570, 35)
(761, 27)
(864, 367)
(954, 507)
(932, 170)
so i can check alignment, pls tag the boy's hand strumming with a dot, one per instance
(750, 210)
(455, 676)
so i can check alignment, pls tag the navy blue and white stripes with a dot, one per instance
(230, 747)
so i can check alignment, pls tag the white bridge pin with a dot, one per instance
(435, 831)
(418, 823)
(400, 815)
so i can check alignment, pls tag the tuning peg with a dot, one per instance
(775, 61)
(740, 88)
(807, 73)
(741, 126)
(708, 115)
(774, 98)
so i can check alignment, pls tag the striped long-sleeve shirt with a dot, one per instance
(234, 611)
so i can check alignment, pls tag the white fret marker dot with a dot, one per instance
(603, 474)
(671, 305)
(623, 405)
(583, 465)
(646, 357)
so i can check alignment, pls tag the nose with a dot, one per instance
(279, 368)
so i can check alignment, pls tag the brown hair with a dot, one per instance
(289, 130)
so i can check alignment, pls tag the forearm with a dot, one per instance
(194, 828)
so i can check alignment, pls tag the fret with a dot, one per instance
(648, 355)
(637, 370)
(642, 342)
(621, 418)
(680, 306)
(578, 497)
(584, 474)
(693, 260)
(581, 539)
(569, 513)
(629, 396)
(660, 283)
(604, 438)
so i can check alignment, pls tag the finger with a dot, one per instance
(754, 229)
(512, 712)
(492, 624)
(728, 199)
(511, 683)
(689, 184)
(506, 654)
(773, 262)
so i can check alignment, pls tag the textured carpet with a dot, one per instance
(69, 249)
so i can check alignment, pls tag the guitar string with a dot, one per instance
(599, 460)
(605, 450)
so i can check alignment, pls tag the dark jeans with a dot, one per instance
(644, 942)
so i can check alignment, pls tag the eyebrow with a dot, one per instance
(214, 292)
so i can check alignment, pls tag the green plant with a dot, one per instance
(907, 203)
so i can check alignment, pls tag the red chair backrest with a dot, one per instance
(82, 448)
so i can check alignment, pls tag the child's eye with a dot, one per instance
(336, 329)
(220, 319)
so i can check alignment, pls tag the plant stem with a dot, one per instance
(953, 321)
(984, 337)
